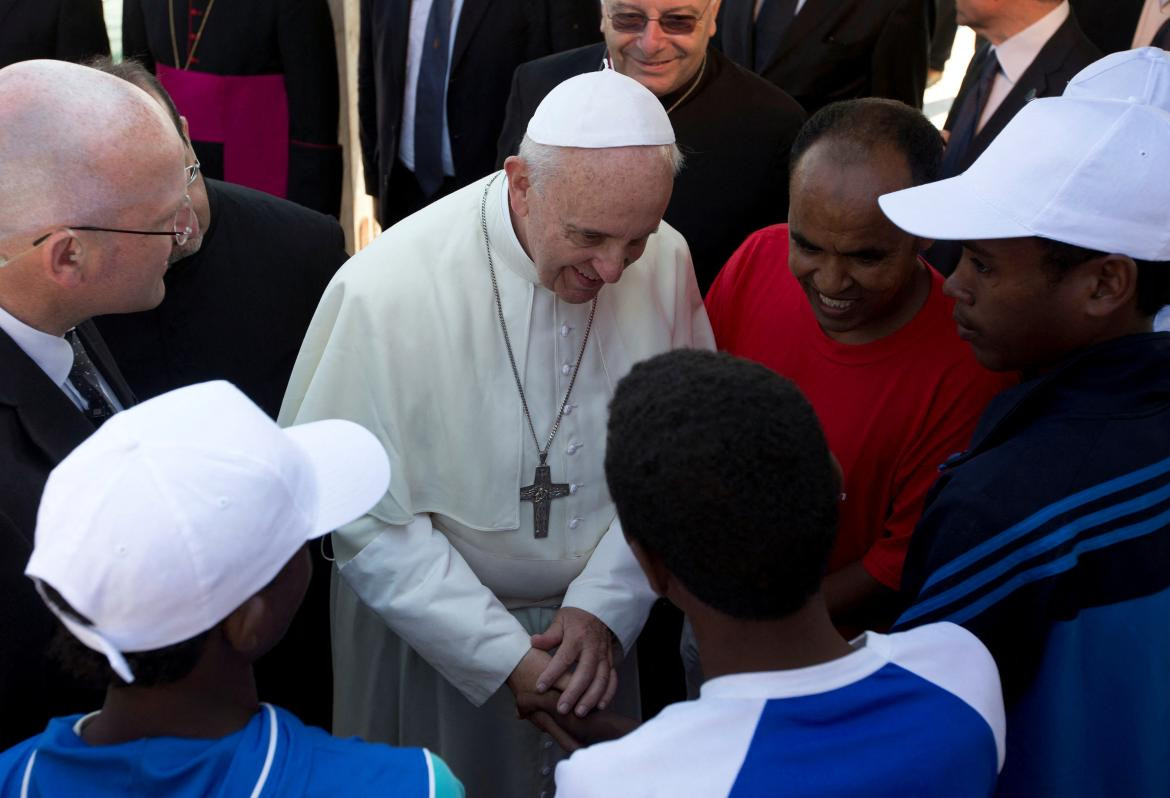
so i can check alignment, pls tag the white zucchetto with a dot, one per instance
(601, 109)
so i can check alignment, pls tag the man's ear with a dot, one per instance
(245, 628)
(657, 574)
(519, 184)
(1112, 285)
(186, 130)
(63, 258)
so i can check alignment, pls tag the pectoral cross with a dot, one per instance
(541, 493)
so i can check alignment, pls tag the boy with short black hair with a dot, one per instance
(727, 495)
(173, 542)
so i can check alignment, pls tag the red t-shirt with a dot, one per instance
(892, 409)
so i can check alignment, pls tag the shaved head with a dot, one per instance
(77, 146)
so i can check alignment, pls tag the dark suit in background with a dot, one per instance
(839, 49)
(237, 309)
(1109, 24)
(574, 23)
(68, 30)
(492, 38)
(735, 131)
(1065, 54)
(39, 426)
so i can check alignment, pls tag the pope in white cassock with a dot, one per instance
(481, 340)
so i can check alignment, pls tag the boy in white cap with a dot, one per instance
(172, 542)
(1049, 537)
(481, 339)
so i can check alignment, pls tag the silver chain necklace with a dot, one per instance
(542, 490)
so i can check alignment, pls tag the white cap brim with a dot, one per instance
(949, 210)
(351, 469)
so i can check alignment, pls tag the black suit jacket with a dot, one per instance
(840, 49)
(1063, 56)
(237, 309)
(492, 38)
(68, 30)
(1109, 24)
(735, 131)
(39, 426)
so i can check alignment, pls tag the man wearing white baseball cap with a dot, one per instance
(172, 543)
(481, 340)
(1049, 537)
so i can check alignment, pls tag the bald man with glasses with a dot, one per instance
(734, 128)
(87, 226)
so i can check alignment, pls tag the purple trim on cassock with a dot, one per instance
(248, 114)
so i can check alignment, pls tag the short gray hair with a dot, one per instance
(543, 159)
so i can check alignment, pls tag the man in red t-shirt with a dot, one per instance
(839, 301)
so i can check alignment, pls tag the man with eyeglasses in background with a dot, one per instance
(733, 127)
(87, 225)
(240, 295)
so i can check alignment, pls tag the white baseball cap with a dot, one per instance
(1090, 172)
(178, 510)
(1141, 75)
(600, 109)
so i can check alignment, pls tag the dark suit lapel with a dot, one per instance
(1036, 81)
(470, 17)
(735, 30)
(809, 17)
(51, 421)
(100, 354)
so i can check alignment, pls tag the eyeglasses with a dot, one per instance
(192, 172)
(674, 24)
(181, 228)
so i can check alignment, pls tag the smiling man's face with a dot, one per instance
(861, 274)
(590, 216)
(662, 62)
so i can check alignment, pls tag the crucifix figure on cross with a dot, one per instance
(541, 493)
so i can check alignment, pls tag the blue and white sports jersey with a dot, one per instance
(918, 713)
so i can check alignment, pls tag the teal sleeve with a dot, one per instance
(446, 785)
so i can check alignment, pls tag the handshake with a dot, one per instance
(566, 694)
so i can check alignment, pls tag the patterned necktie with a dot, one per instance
(967, 120)
(429, 99)
(774, 19)
(84, 378)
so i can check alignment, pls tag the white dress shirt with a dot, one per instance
(1017, 53)
(420, 10)
(53, 355)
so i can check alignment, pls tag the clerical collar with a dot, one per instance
(51, 353)
(511, 251)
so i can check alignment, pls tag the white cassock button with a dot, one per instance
(573, 487)
(574, 523)
(573, 447)
(565, 369)
(565, 330)
(569, 408)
